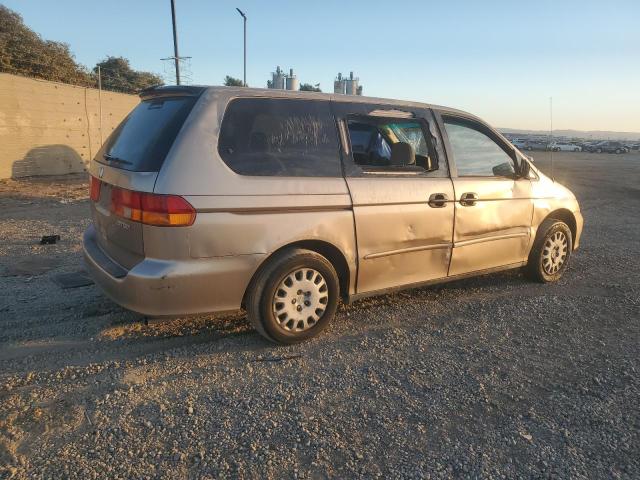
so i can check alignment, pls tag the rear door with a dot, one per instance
(403, 211)
(130, 161)
(493, 208)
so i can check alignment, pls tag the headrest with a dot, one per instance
(402, 154)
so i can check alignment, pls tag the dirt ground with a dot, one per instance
(492, 377)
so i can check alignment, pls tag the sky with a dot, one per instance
(501, 60)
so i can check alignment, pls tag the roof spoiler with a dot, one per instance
(170, 91)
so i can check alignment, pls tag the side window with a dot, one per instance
(475, 153)
(390, 145)
(280, 137)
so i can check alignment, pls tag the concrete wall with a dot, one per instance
(49, 128)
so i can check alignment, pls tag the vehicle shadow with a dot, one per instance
(48, 160)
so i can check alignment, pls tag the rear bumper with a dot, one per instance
(162, 287)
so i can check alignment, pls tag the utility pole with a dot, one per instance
(551, 135)
(244, 17)
(176, 57)
(100, 102)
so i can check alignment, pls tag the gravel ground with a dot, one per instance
(492, 377)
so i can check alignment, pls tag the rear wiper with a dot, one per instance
(111, 158)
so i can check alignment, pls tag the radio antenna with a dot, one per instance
(551, 135)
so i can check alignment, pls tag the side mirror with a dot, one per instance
(525, 168)
(504, 170)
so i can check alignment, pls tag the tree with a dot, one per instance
(118, 75)
(24, 52)
(307, 87)
(232, 82)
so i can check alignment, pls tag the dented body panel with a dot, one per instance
(553, 199)
(495, 230)
(401, 240)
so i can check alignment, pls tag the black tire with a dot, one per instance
(576, 149)
(541, 265)
(264, 291)
(618, 151)
(528, 148)
(598, 150)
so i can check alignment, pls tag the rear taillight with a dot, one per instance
(94, 189)
(151, 208)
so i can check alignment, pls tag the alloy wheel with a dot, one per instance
(554, 253)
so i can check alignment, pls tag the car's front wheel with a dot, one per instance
(549, 256)
(294, 297)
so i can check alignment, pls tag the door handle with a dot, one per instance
(468, 199)
(438, 200)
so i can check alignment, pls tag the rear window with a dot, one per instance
(143, 139)
(295, 138)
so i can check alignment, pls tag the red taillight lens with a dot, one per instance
(94, 189)
(152, 209)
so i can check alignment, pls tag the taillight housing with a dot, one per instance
(151, 208)
(94, 189)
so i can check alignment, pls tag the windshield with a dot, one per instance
(141, 142)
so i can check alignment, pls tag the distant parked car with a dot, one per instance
(564, 147)
(608, 146)
(536, 145)
(519, 143)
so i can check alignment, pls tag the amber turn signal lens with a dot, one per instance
(151, 208)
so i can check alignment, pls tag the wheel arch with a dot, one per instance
(567, 217)
(332, 253)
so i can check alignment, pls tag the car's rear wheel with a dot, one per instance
(294, 297)
(618, 150)
(598, 150)
(551, 251)
(576, 149)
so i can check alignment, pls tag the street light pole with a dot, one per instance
(176, 57)
(244, 17)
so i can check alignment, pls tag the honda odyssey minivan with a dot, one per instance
(210, 199)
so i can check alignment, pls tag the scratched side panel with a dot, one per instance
(550, 196)
(392, 231)
(496, 230)
(250, 225)
(401, 239)
(504, 206)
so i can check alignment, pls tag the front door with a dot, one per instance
(493, 205)
(402, 195)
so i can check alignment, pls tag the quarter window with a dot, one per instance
(475, 153)
(280, 137)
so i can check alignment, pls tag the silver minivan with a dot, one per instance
(210, 199)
